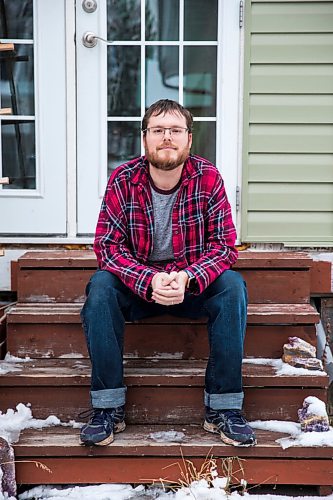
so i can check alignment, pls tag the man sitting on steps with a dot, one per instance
(164, 244)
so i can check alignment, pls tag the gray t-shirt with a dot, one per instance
(163, 202)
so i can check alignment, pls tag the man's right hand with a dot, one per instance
(163, 280)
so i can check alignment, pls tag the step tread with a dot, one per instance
(257, 313)
(147, 372)
(136, 441)
(87, 259)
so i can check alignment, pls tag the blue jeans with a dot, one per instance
(110, 303)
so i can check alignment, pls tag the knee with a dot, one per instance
(101, 288)
(232, 283)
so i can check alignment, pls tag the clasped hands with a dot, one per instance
(169, 289)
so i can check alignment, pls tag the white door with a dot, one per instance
(186, 50)
(32, 139)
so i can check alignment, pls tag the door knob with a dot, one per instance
(89, 39)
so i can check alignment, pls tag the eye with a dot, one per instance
(157, 131)
(176, 131)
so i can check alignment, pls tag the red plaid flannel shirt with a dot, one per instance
(203, 234)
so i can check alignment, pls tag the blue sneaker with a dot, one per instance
(231, 425)
(104, 422)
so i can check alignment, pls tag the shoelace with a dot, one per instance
(97, 415)
(237, 417)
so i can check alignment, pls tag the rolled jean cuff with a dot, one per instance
(108, 398)
(231, 401)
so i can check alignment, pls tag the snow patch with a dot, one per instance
(167, 436)
(13, 422)
(71, 355)
(297, 437)
(282, 368)
(292, 428)
(13, 359)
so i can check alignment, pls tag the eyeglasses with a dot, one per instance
(160, 131)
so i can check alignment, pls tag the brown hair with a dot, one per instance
(164, 106)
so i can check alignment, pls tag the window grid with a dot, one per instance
(181, 43)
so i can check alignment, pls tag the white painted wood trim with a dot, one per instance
(71, 119)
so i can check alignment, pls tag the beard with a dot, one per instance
(168, 162)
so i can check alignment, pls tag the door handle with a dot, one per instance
(89, 39)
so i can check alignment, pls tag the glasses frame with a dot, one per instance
(148, 129)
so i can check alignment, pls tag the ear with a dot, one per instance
(190, 138)
(144, 140)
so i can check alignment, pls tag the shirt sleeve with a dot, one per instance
(220, 237)
(111, 244)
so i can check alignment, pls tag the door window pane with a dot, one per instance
(124, 143)
(204, 140)
(17, 80)
(200, 20)
(200, 80)
(18, 154)
(16, 19)
(124, 96)
(162, 74)
(123, 20)
(162, 20)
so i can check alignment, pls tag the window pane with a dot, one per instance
(124, 81)
(204, 140)
(162, 76)
(123, 18)
(200, 80)
(200, 20)
(124, 143)
(16, 19)
(17, 80)
(162, 19)
(18, 154)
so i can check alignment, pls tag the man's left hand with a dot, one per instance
(175, 294)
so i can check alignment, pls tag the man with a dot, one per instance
(164, 244)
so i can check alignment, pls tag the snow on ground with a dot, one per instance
(198, 490)
(282, 368)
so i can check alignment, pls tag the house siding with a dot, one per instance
(287, 185)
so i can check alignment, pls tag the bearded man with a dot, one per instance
(165, 242)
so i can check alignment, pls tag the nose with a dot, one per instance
(167, 131)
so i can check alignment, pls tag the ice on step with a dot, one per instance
(167, 436)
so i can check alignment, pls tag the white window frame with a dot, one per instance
(27, 206)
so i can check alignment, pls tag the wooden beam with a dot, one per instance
(6, 47)
(6, 111)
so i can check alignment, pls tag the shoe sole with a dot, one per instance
(214, 430)
(120, 427)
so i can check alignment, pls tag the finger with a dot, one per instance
(168, 293)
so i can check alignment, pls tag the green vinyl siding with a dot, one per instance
(287, 186)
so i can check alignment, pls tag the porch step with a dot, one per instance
(52, 277)
(135, 457)
(159, 391)
(54, 330)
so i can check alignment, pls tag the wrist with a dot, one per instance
(191, 281)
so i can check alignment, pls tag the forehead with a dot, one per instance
(164, 119)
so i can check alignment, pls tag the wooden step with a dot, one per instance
(55, 330)
(135, 457)
(159, 391)
(52, 277)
